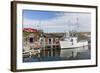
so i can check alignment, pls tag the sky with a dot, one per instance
(56, 21)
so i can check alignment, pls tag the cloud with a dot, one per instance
(62, 22)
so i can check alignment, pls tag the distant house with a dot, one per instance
(52, 39)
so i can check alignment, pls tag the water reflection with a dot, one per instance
(55, 55)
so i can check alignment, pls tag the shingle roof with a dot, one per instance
(30, 30)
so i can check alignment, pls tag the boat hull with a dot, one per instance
(68, 49)
(65, 44)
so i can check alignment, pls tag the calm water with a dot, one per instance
(80, 56)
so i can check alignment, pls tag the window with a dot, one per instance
(49, 41)
(31, 40)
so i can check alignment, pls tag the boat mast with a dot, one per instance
(77, 23)
(77, 27)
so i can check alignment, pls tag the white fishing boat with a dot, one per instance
(70, 46)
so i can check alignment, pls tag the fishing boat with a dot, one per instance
(70, 46)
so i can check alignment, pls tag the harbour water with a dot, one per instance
(56, 57)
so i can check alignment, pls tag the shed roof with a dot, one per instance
(30, 30)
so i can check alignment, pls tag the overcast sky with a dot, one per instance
(51, 21)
